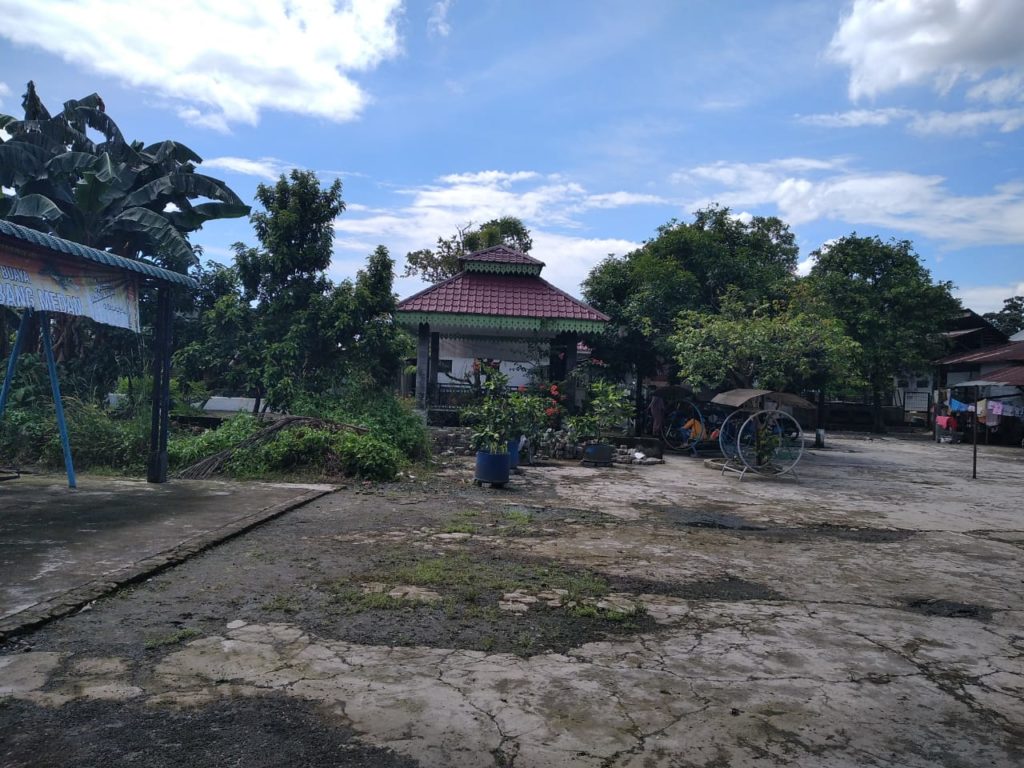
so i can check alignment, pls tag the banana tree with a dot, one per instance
(135, 200)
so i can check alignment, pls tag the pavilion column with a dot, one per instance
(571, 340)
(435, 361)
(422, 365)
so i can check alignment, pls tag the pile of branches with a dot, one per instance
(211, 465)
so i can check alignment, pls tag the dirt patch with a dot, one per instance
(690, 518)
(696, 518)
(947, 609)
(260, 732)
(727, 589)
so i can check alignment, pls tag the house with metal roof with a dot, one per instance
(498, 307)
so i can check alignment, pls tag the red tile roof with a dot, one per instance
(501, 254)
(1012, 352)
(481, 293)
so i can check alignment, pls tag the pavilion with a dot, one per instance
(496, 307)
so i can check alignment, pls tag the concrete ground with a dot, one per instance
(868, 613)
(59, 546)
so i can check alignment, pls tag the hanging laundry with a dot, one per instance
(995, 407)
(956, 405)
(982, 411)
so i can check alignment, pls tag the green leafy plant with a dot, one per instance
(492, 417)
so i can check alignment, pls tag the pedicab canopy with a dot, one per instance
(737, 398)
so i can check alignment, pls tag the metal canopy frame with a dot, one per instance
(36, 244)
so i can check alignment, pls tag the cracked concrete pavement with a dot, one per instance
(886, 631)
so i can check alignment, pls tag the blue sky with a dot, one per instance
(595, 122)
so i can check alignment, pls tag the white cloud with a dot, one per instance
(856, 118)
(908, 202)
(988, 298)
(5, 91)
(264, 167)
(497, 178)
(999, 90)
(619, 199)
(220, 63)
(803, 267)
(936, 122)
(546, 204)
(438, 24)
(968, 122)
(891, 43)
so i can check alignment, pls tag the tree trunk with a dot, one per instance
(876, 409)
(639, 404)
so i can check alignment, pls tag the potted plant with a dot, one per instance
(528, 418)
(607, 407)
(491, 419)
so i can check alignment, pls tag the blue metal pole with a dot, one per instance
(12, 363)
(44, 325)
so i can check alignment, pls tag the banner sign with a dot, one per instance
(51, 284)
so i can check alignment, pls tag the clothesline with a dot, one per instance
(986, 407)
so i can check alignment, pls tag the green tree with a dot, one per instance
(275, 326)
(126, 197)
(286, 282)
(772, 347)
(378, 346)
(442, 262)
(686, 266)
(1010, 318)
(122, 196)
(887, 302)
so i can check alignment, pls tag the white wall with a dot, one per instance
(517, 358)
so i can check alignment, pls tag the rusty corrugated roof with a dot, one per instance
(31, 237)
(1011, 352)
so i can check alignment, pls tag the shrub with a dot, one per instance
(185, 450)
(320, 451)
(30, 436)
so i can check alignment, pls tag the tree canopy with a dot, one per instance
(133, 199)
(275, 325)
(686, 266)
(776, 346)
(443, 261)
(1010, 318)
(887, 302)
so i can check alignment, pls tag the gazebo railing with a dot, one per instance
(453, 397)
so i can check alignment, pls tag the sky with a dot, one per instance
(594, 122)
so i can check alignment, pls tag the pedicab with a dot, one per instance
(758, 436)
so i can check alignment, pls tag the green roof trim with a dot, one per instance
(501, 322)
(31, 237)
(501, 268)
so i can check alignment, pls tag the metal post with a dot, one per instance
(62, 427)
(13, 361)
(165, 385)
(435, 362)
(974, 440)
(422, 365)
(153, 471)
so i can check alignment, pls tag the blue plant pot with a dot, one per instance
(513, 453)
(598, 453)
(492, 468)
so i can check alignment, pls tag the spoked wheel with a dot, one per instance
(684, 426)
(729, 431)
(770, 443)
